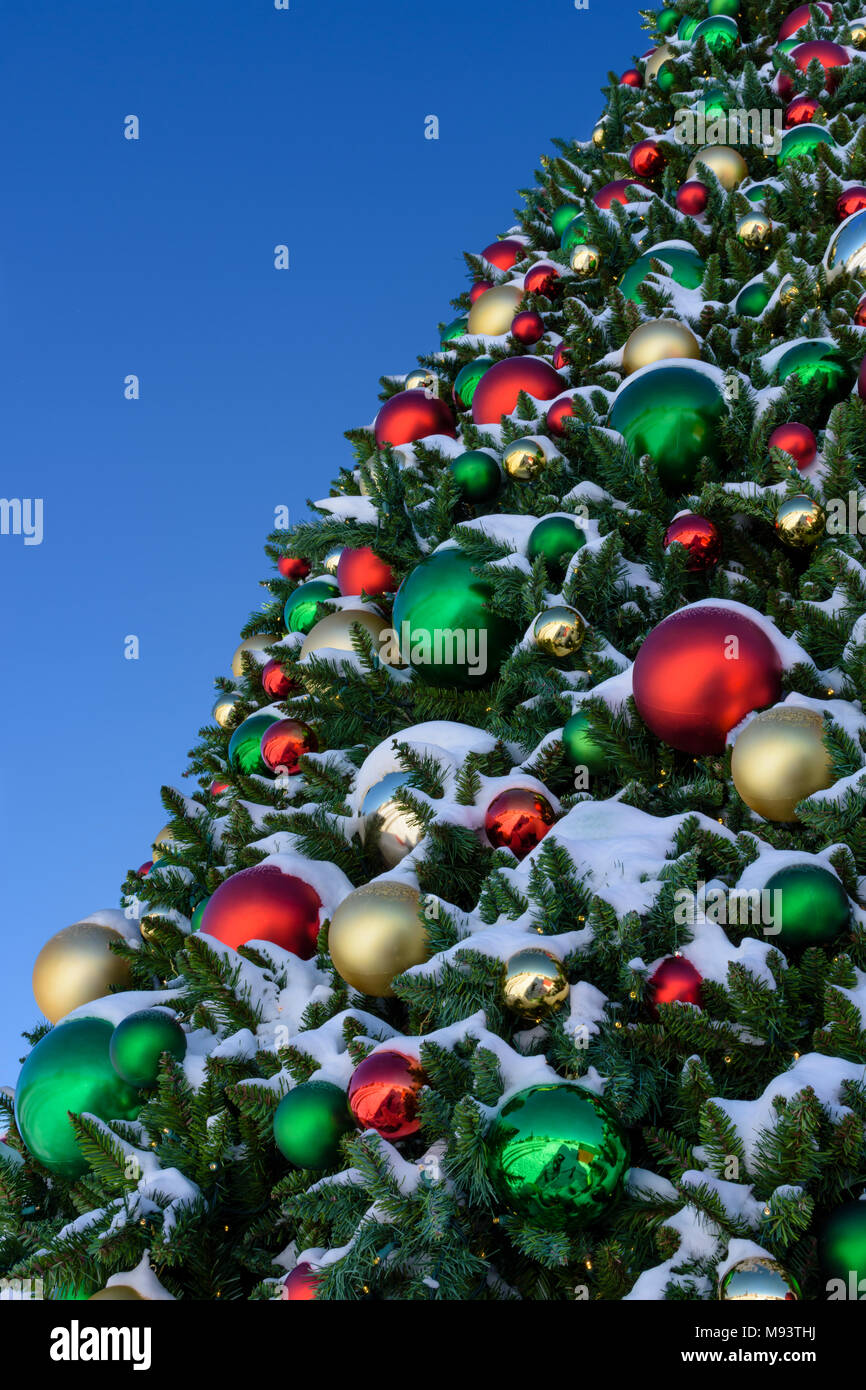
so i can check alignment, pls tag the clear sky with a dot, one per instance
(155, 257)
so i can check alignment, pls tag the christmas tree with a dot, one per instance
(508, 940)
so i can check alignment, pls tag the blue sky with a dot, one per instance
(155, 257)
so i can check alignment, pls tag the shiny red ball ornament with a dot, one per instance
(275, 683)
(360, 570)
(699, 672)
(796, 440)
(518, 819)
(541, 278)
(264, 904)
(647, 159)
(504, 254)
(384, 1092)
(217, 788)
(860, 313)
(299, 1286)
(561, 356)
(527, 327)
(478, 289)
(497, 391)
(293, 567)
(411, 415)
(674, 981)
(801, 111)
(284, 742)
(850, 201)
(614, 192)
(631, 78)
(692, 197)
(144, 869)
(701, 539)
(559, 412)
(830, 55)
(799, 18)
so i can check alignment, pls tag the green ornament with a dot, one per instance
(302, 604)
(139, 1041)
(814, 905)
(781, 49)
(445, 629)
(198, 913)
(756, 192)
(842, 1247)
(686, 28)
(455, 329)
(684, 266)
(817, 360)
(245, 746)
(556, 538)
(69, 1069)
(477, 474)
(309, 1123)
(753, 299)
(716, 102)
(668, 21)
(468, 378)
(801, 142)
(576, 233)
(562, 216)
(556, 1154)
(580, 746)
(672, 412)
(719, 32)
(729, 7)
(666, 78)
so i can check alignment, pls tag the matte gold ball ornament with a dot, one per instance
(754, 231)
(256, 643)
(585, 260)
(656, 341)
(224, 707)
(163, 841)
(598, 134)
(117, 1293)
(76, 966)
(335, 631)
(559, 631)
(725, 162)
(535, 984)
(492, 312)
(779, 759)
(524, 459)
(375, 934)
(663, 54)
(800, 522)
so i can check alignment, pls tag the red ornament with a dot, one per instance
(802, 110)
(541, 278)
(275, 683)
(285, 742)
(701, 538)
(799, 18)
(264, 904)
(518, 819)
(561, 355)
(293, 567)
(504, 254)
(631, 78)
(860, 313)
(559, 412)
(478, 289)
(361, 571)
(796, 440)
(614, 192)
(674, 981)
(527, 327)
(861, 381)
(217, 788)
(300, 1285)
(692, 197)
(647, 158)
(497, 391)
(144, 869)
(699, 672)
(850, 201)
(384, 1093)
(411, 415)
(829, 55)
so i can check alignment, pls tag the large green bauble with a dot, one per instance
(730, 7)
(565, 213)
(668, 21)
(817, 359)
(556, 538)
(684, 264)
(556, 1154)
(752, 300)
(666, 78)
(814, 905)
(138, 1042)
(716, 102)
(455, 329)
(576, 233)
(69, 1069)
(686, 28)
(719, 32)
(580, 746)
(468, 378)
(477, 475)
(842, 1245)
(445, 629)
(671, 411)
(782, 48)
(309, 1123)
(303, 602)
(245, 746)
(801, 142)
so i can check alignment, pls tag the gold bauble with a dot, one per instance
(251, 644)
(800, 522)
(657, 340)
(116, 1293)
(524, 459)
(332, 559)
(559, 631)
(75, 966)
(163, 841)
(224, 707)
(398, 830)
(754, 230)
(585, 260)
(535, 983)
(779, 759)
(663, 54)
(376, 934)
(857, 33)
(598, 135)
(421, 379)
(493, 311)
(335, 631)
(726, 163)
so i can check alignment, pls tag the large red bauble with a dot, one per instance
(144, 869)
(361, 571)
(701, 538)
(829, 55)
(284, 742)
(264, 904)
(518, 819)
(799, 18)
(497, 391)
(275, 683)
(293, 567)
(384, 1093)
(631, 78)
(478, 289)
(674, 981)
(850, 201)
(527, 327)
(692, 197)
(559, 412)
(411, 415)
(693, 682)
(647, 158)
(614, 192)
(561, 354)
(801, 111)
(504, 254)
(299, 1286)
(796, 440)
(541, 278)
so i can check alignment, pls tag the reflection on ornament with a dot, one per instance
(759, 1278)
(535, 983)
(585, 260)
(846, 249)
(398, 830)
(754, 230)
(524, 459)
(559, 631)
(800, 522)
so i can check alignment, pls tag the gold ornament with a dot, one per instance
(657, 340)
(857, 33)
(726, 163)
(524, 459)
(398, 830)
(117, 1293)
(335, 630)
(585, 260)
(251, 644)
(559, 631)
(800, 522)
(598, 135)
(535, 983)
(492, 312)
(663, 54)
(421, 379)
(788, 291)
(779, 759)
(332, 559)
(163, 839)
(76, 966)
(754, 230)
(225, 705)
(376, 934)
